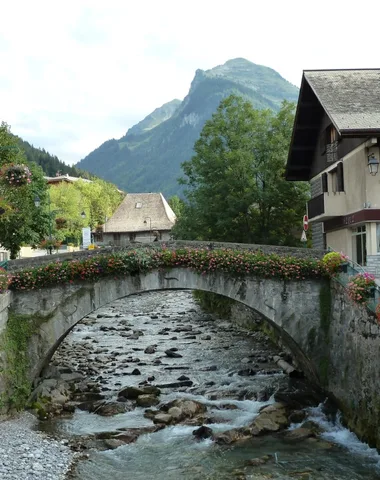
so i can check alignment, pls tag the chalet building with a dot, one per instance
(335, 146)
(141, 217)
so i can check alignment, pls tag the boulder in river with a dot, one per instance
(147, 400)
(203, 432)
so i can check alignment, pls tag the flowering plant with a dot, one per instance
(3, 280)
(49, 244)
(359, 288)
(16, 174)
(203, 261)
(332, 262)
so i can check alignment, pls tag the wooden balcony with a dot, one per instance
(316, 206)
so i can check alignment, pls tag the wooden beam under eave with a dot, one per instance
(303, 148)
(307, 127)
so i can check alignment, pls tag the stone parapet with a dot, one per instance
(20, 264)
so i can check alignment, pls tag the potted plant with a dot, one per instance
(16, 175)
(335, 262)
(361, 287)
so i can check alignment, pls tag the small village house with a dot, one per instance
(141, 217)
(335, 146)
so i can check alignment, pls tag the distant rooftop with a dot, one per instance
(65, 178)
(141, 212)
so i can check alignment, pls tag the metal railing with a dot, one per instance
(4, 264)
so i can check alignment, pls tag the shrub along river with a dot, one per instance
(157, 389)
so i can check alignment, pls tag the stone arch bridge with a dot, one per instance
(330, 337)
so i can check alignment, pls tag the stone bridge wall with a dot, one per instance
(335, 341)
(14, 265)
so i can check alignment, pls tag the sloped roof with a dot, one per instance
(65, 178)
(137, 208)
(351, 98)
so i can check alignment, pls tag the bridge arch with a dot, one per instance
(292, 307)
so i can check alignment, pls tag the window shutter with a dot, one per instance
(324, 183)
(340, 178)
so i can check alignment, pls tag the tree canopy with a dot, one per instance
(21, 222)
(235, 185)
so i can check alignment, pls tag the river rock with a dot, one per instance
(112, 408)
(271, 418)
(163, 418)
(255, 462)
(150, 349)
(299, 434)
(170, 353)
(131, 393)
(184, 383)
(203, 432)
(147, 400)
(297, 416)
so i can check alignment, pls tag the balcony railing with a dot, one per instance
(316, 206)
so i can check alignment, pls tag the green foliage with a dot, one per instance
(148, 157)
(177, 205)
(332, 262)
(14, 343)
(22, 222)
(98, 200)
(236, 189)
(232, 262)
(50, 164)
(214, 303)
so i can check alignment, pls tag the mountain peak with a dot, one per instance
(149, 157)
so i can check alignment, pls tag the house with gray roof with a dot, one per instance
(141, 217)
(335, 146)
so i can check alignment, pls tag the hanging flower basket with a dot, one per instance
(60, 223)
(16, 175)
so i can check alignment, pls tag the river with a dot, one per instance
(225, 368)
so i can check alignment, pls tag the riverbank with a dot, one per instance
(26, 454)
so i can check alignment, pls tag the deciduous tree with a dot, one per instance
(236, 190)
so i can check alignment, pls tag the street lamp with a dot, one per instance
(150, 227)
(373, 164)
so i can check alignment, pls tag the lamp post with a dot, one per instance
(373, 164)
(83, 215)
(150, 227)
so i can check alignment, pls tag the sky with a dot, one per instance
(74, 74)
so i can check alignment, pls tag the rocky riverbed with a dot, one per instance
(28, 455)
(151, 380)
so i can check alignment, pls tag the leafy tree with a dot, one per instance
(177, 205)
(236, 190)
(21, 222)
(97, 200)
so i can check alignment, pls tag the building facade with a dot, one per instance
(335, 146)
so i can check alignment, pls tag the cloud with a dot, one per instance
(75, 74)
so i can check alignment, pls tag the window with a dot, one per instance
(329, 144)
(360, 245)
(378, 237)
(337, 178)
(324, 183)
